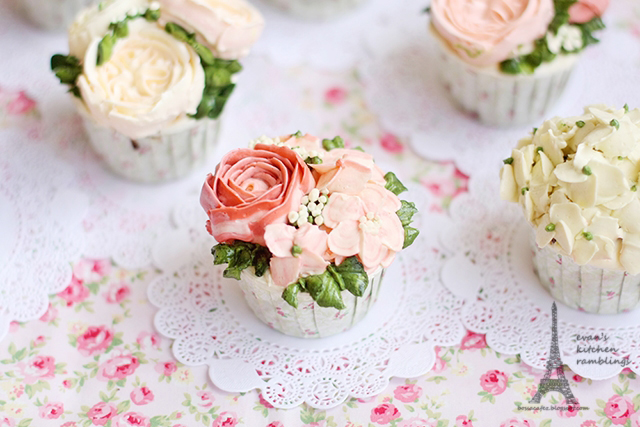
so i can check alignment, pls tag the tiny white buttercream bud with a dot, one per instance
(293, 217)
(319, 220)
(314, 194)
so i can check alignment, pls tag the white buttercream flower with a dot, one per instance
(569, 37)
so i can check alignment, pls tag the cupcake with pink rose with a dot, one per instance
(508, 61)
(308, 228)
(152, 78)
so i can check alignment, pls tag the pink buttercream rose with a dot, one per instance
(486, 32)
(118, 368)
(52, 410)
(166, 368)
(101, 413)
(384, 414)
(473, 341)
(517, 422)
(226, 419)
(365, 225)
(418, 422)
(618, 409)
(117, 293)
(95, 340)
(286, 266)
(205, 399)
(38, 368)
(347, 171)
(494, 382)
(307, 141)
(228, 27)
(407, 393)
(463, 421)
(585, 10)
(131, 419)
(253, 188)
(75, 292)
(141, 395)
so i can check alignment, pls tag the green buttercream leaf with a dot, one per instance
(178, 32)
(330, 144)
(406, 212)
(239, 256)
(353, 276)
(261, 258)
(222, 253)
(105, 48)
(290, 294)
(206, 57)
(324, 290)
(393, 184)
(410, 235)
(152, 15)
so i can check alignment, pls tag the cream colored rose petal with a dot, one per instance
(564, 236)
(583, 251)
(508, 187)
(628, 216)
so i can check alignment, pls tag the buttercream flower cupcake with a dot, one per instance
(508, 61)
(308, 228)
(316, 9)
(52, 15)
(152, 78)
(577, 181)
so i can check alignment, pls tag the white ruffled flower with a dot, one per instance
(569, 38)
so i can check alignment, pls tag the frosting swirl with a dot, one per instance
(486, 32)
(149, 84)
(228, 27)
(577, 181)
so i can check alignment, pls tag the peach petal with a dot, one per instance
(342, 207)
(279, 239)
(345, 239)
(284, 271)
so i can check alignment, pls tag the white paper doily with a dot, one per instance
(211, 324)
(490, 266)
(40, 228)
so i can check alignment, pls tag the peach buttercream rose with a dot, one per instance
(228, 27)
(253, 188)
(486, 32)
(149, 85)
(585, 10)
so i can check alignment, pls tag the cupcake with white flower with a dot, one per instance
(308, 228)
(508, 61)
(316, 9)
(576, 179)
(151, 79)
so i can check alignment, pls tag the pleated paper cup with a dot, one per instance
(497, 98)
(157, 158)
(316, 9)
(309, 320)
(52, 15)
(585, 287)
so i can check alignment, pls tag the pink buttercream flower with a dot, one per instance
(384, 414)
(226, 419)
(307, 141)
(101, 413)
(618, 409)
(407, 393)
(516, 422)
(365, 225)
(296, 252)
(141, 395)
(95, 340)
(38, 368)
(463, 421)
(347, 171)
(51, 411)
(75, 292)
(494, 382)
(118, 368)
(117, 293)
(585, 10)
(335, 95)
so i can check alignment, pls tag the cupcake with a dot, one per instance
(52, 15)
(508, 61)
(577, 181)
(316, 9)
(151, 79)
(308, 228)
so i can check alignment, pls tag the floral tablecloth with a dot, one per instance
(94, 359)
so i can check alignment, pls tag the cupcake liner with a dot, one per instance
(316, 9)
(585, 287)
(309, 320)
(500, 99)
(52, 14)
(157, 158)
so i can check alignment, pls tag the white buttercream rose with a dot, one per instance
(150, 83)
(228, 27)
(93, 22)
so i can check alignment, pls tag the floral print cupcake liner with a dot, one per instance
(157, 158)
(51, 14)
(309, 320)
(316, 9)
(584, 287)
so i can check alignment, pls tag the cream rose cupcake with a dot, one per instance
(508, 61)
(52, 15)
(316, 9)
(152, 78)
(308, 228)
(577, 181)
